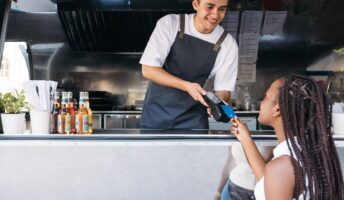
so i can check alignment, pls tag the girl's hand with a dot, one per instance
(240, 130)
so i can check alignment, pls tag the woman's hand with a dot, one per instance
(217, 198)
(217, 195)
(240, 130)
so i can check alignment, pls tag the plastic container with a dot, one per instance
(338, 123)
(40, 122)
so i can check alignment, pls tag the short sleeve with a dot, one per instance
(226, 66)
(160, 42)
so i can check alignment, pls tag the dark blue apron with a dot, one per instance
(190, 59)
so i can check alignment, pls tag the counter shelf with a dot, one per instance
(119, 164)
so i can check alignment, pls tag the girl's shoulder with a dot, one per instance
(279, 164)
(279, 176)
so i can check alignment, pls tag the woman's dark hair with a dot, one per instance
(306, 113)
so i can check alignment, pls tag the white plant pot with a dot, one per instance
(13, 123)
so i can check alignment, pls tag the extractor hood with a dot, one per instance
(126, 4)
(114, 25)
(332, 62)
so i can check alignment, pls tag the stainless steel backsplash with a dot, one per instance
(120, 73)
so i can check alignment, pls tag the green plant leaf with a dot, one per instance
(13, 103)
(339, 51)
(1, 103)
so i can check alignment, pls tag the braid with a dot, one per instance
(306, 116)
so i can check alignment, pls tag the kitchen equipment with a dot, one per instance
(125, 108)
(220, 111)
(101, 100)
(97, 121)
(338, 118)
(335, 86)
(122, 121)
(338, 125)
(251, 123)
(97, 24)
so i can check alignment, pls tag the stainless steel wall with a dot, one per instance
(97, 170)
(302, 43)
(53, 59)
(122, 169)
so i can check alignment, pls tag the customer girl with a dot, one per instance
(305, 163)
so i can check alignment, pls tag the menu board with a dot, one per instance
(251, 21)
(248, 46)
(230, 23)
(248, 38)
(247, 72)
(273, 22)
(250, 26)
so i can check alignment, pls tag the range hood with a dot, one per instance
(114, 25)
(333, 62)
(125, 4)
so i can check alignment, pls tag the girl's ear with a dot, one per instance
(276, 111)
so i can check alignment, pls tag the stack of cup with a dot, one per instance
(40, 122)
(338, 118)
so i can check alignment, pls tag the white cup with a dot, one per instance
(338, 123)
(40, 122)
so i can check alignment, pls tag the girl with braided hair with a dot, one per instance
(305, 163)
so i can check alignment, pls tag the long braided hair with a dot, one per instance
(306, 114)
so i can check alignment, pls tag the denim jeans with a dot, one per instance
(225, 191)
(239, 193)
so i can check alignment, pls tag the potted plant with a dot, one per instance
(1, 111)
(13, 119)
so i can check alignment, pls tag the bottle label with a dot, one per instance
(72, 123)
(90, 121)
(52, 122)
(67, 124)
(85, 124)
(59, 124)
(77, 124)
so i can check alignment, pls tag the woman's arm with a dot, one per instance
(253, 156)
(224, 96)
(224, 175)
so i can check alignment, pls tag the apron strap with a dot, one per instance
(182, 26)
(219, 41)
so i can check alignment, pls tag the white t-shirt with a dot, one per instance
(158, 47)
(242, 174)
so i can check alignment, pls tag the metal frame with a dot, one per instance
(100, 118)
(4, 26)
(134, 140)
